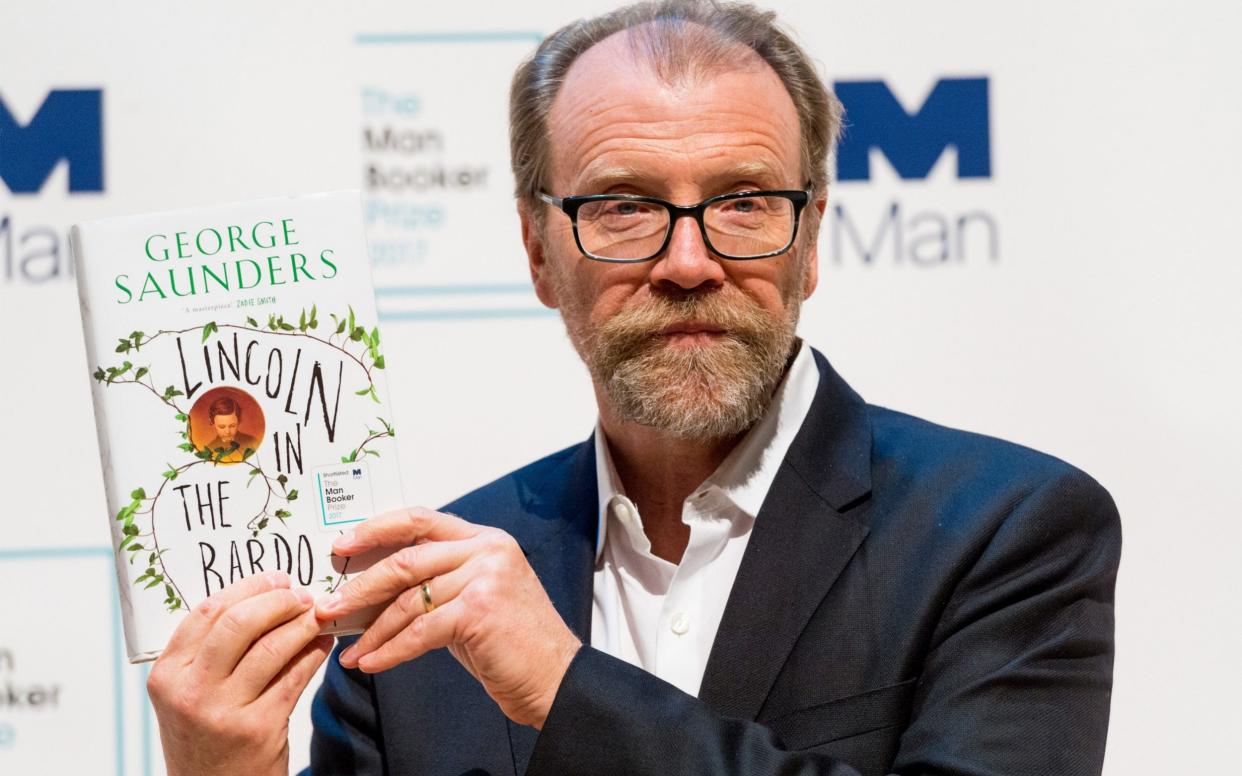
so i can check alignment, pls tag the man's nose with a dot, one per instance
(686, 262)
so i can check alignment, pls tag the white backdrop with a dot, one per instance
(1088, 310)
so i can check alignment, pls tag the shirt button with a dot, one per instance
(623, 510)
(680, 623)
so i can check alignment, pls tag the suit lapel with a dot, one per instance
(801, 541)
(562, 554)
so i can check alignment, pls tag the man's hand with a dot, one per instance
(490, 611)
(225, 685)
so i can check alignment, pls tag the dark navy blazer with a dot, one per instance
(912, 600)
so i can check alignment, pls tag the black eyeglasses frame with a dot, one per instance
(571, 205)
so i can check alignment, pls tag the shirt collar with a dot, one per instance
(746, 474)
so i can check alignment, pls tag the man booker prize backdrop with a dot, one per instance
(1043, 249)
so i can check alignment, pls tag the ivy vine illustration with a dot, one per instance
(347, 336)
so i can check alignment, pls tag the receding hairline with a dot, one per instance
(698, 68)
(701, 53)
(725, 34)
(699, 50)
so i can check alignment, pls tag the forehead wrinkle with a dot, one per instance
(673, 138)
(609, 115)
(742, 157)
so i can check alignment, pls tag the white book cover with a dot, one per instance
(237, 374)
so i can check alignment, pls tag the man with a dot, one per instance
(746, 569)
(225, 415)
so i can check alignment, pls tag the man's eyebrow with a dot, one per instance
(600, 180)
(604, 178)
(760, 172)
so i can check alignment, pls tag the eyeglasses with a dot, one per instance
(627, 228)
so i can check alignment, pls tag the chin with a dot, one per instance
(685, 391)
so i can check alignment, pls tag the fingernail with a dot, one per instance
(304, 596)
(345, 539)
(348, 655)
(279, 579)
(329, 602)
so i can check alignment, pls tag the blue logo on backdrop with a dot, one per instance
(69, 126)
(66, 127)
(955, 113)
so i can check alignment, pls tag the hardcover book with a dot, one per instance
(237, 374)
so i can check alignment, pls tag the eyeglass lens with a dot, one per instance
(736, 228)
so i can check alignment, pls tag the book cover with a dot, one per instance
(237, 374)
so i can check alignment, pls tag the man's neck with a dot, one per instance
(658, 472)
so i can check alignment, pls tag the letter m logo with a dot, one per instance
(955, 113)
(68, 126)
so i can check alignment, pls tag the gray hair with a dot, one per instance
(677, 38)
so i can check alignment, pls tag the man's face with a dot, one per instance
(226, 427)
(687, 342)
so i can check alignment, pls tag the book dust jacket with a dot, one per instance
(237, 373)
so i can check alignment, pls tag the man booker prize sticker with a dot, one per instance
(344, 492)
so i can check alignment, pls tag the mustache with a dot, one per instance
(640, 324)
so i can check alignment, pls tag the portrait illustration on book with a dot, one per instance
(227, 422)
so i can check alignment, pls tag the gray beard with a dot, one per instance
(701, 394)
(708, 392)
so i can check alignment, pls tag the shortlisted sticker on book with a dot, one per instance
(240, 401)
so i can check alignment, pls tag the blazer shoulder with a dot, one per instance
(968, 476)
(917, 444)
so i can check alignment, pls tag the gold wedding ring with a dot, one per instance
(428, 604)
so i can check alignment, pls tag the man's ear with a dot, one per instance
(811, 279)
(537, 258)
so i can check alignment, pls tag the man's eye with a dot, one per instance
(623, 208)
(618, 213)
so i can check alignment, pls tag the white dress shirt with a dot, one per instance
(663, 616)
